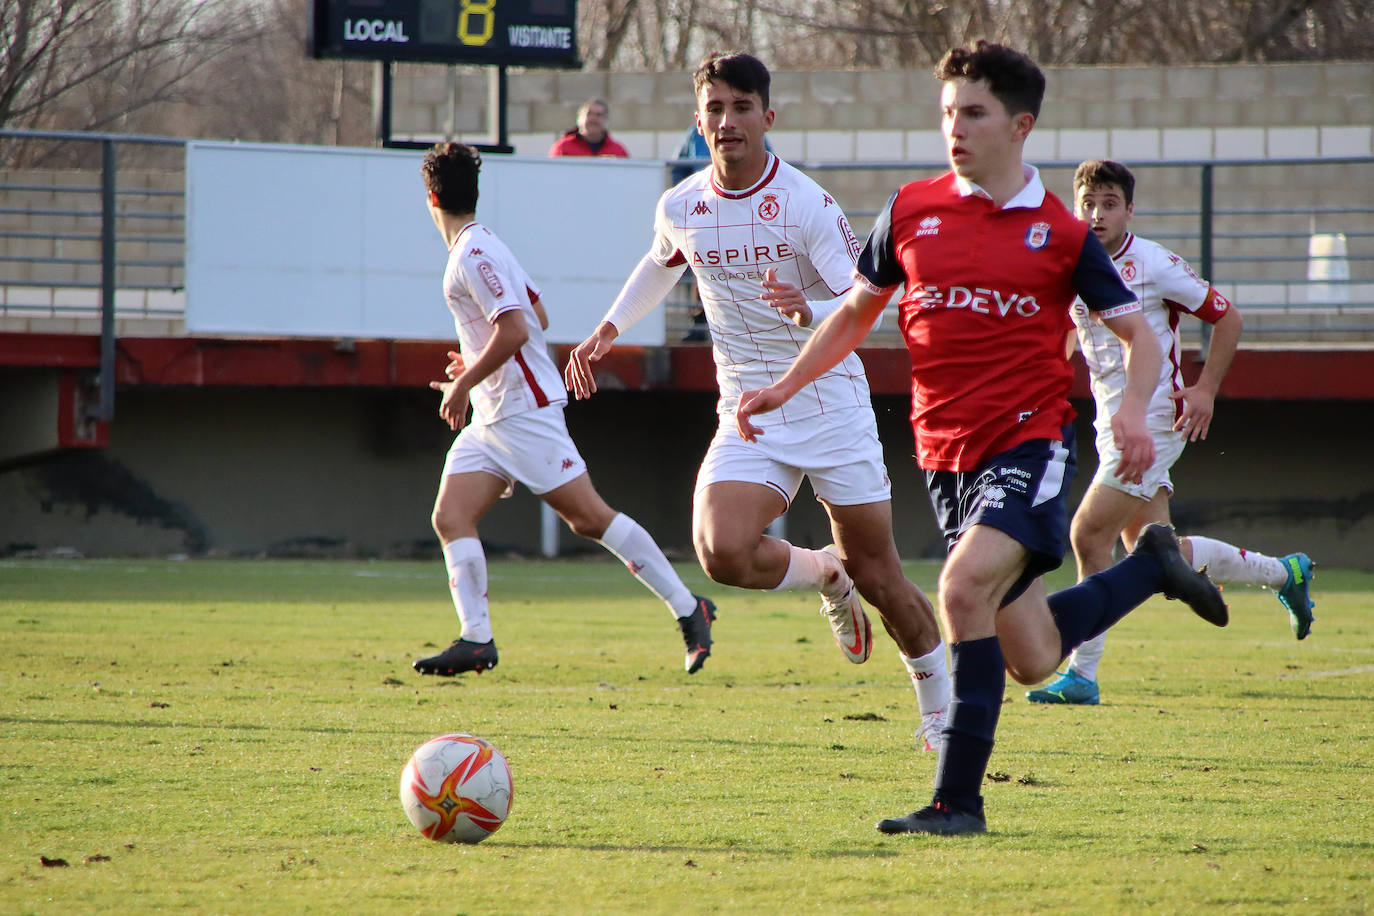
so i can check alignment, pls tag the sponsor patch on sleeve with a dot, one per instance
(489, 277)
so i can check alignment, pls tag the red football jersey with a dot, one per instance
(985, 313)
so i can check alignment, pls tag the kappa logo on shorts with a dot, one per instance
(1038, 236)
(567, 463)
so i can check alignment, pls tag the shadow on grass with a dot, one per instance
(699, 849)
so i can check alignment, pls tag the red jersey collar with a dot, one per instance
(1030, 196)
(769, 170)
(1125, 245)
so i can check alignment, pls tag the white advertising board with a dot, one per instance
(291, 241)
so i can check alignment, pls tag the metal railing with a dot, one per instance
(96, 216)
(95, 244)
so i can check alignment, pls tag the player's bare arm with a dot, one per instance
(835, 339)
(511, 334)
(1199, 399)
(577, 375)
(786, 298)
(1143, 360)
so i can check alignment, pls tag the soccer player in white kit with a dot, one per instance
(773, 255)
(1104, 197)
(517, 431)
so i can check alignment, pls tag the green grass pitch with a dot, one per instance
(216, 736)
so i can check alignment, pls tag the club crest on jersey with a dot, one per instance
(769, 208)
(490, 278)
(1129, 270)
(701, 209)
(1038, 236)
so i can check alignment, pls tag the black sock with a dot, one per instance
(1089, 608)
(979, 677)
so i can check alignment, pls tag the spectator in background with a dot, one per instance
(590, 137)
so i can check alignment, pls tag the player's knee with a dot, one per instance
(585, 526)
(443, 525)
(718, 561)
(1028, 674)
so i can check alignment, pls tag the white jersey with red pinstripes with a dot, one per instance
(483, 280)
(729, 238)
(1166, 286)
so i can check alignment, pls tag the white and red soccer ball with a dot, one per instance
(456, 789)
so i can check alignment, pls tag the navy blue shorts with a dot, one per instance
(1023, 492)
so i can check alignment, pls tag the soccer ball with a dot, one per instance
(456, 789)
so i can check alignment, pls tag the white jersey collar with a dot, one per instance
(770, 169)
(1030, 196)
(461, 232)
(1125, 245)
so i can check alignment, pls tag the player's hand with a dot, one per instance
(453, 407)
(758, 400)
(786, 298)
(577, 374)
(456, 365)
(1137, 448)
(1196, 418)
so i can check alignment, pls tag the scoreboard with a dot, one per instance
(538, 33)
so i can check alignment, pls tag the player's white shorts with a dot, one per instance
(1168, 448)
(533, 448)
(839, 451)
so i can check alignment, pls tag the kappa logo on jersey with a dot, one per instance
(1038, 236)
(769, 208)
(476, 252)
(490, 278)
(849, 238)
(1129, 271)
(827, 201)
(929, 226)
(979, 299)
(701, 209)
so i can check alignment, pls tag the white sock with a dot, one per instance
(930, 679)
(643, 558)
(1083, 661)
(813, 571)
(1226, 563)
(467, 582)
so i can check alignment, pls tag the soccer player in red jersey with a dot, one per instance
(991, 263)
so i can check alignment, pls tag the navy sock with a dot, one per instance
(979, 678)
(1089, 608)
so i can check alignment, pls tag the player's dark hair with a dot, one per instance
(1097, 173)
(450, 172)
(1013, 78)
(741, 72)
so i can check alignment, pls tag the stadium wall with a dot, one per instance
(1231, 111)
(349, 472)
